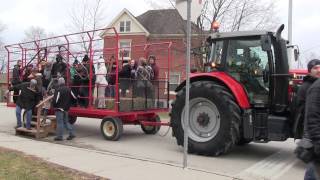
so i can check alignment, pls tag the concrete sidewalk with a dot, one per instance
(103, 164)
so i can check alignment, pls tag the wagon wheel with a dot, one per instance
(111, 128)
(151, 129)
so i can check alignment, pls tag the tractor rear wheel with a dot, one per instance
(214, 119)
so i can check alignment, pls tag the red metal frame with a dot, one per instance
(135, 117)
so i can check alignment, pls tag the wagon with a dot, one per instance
(121, 106)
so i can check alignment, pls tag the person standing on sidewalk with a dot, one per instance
(308, 80)
(61, 102)
(312, 118)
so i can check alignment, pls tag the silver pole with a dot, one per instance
(186, 115)
(290, 34)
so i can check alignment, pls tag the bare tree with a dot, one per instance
(34, 33)
(235, 15)
(86, 15)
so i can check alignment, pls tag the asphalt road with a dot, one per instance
(273, 160)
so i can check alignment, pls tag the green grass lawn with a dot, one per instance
(15, 165)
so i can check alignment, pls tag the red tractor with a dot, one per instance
(243, 93)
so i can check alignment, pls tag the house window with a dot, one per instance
(125, 26)
(174, 81)
(125, 49)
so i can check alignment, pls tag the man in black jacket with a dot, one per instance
(16, 79)
(26, 100)
(61, 102)
(312, 118)
(308, 80)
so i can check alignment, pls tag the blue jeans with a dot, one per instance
(18, 115)
(63, 122)
(310, 172)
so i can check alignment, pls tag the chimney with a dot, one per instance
(196, 7)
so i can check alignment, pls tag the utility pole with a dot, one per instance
(291, 61)
(186, 115)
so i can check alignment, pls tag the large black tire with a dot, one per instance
(72, 119)
(151, 129)
(207, 98)
(111, 128)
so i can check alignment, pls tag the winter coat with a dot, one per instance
(62, 98)
(27, 98)
(16, 75)
(128, 72)
(101, 75)
(144, 73)
(300, 103)
(302, 92)
(59, 67)
(312, 113)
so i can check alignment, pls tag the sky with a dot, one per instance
(53, 16)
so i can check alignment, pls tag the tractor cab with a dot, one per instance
(255, 59)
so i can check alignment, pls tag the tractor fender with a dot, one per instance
(233, 85)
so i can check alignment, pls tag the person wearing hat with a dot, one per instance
(26, 100)
(305, 144)
(101, 82)
(59, 68)
(61, 103)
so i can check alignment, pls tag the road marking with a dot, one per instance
(271, 168)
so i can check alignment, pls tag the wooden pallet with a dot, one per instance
(32, 132)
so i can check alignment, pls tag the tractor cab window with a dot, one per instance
(246, 62)
(214, 55)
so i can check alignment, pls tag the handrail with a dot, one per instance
(39, 113)
(44, 101)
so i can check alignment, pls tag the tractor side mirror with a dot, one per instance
(266, 43)
(296, 51)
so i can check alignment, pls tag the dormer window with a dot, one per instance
(125, 26)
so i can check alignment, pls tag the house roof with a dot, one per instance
(164, 21)
(125, 11)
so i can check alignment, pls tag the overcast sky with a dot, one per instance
(53, 15)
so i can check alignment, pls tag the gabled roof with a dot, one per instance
(165, 21)
(131, 16)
